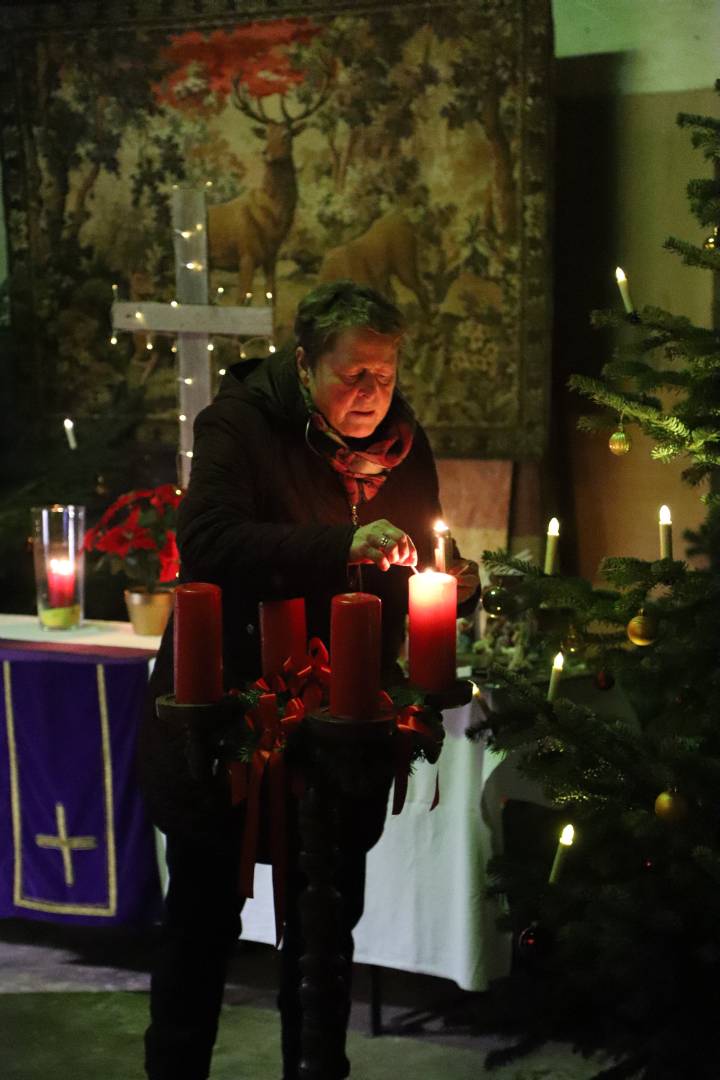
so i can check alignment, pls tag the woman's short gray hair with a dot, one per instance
(342, 305)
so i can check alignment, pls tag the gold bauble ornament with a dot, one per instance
(619, 443)
(671, 806)
(642, 629)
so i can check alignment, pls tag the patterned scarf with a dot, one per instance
(364, 465)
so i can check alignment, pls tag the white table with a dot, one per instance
(119, 635)
(425, 904)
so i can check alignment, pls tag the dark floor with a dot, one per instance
(38, 956)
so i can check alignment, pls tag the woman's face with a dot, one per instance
(352, 384)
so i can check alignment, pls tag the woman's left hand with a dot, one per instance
(467, 573)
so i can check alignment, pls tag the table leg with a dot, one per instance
(376, 1025)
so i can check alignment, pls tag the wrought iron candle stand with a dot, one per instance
(339, 759)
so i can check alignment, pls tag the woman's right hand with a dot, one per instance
(383, 544)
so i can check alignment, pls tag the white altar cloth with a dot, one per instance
(425, 904)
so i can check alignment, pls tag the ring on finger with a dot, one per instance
(386, 542)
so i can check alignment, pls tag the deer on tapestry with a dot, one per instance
(388, 248)
(246, 233)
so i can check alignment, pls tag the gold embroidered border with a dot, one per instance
(56, 907)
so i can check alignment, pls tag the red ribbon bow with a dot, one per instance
(272, 729)
(411, 726)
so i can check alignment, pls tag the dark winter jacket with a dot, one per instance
(266, 517)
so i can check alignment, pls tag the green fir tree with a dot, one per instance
(623, 950)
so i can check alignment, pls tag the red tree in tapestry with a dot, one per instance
(248, 66)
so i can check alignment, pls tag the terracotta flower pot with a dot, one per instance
(148, 611)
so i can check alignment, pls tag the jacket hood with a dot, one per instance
(268, 382)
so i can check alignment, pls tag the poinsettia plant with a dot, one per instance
(136, 535)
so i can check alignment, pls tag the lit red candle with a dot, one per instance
(61, 583)
(432, 630)
(283, 634)
(198, 644)
(355, 642)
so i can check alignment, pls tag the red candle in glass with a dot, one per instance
(61, 583)
(198, 644)
(283, 634)
(355, 641)
(432, 630)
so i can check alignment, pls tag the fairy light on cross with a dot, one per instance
(190, 318)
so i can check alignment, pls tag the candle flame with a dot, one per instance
(567, 836)
(62, 567)
(559, 661)
(440, 527)
(665, 516)
(553, 528)
(69, 425)
(620, 274)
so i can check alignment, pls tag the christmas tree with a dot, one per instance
(618, 946)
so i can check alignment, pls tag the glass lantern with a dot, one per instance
(58, 535)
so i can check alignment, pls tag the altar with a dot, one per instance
(75, 844)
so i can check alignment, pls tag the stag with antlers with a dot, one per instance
(246, 233)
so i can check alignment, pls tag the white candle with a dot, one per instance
(555, 674)
(553, 533)
(443, 547)
(665, 526)
(622, 283)
(565, 841)
(70, 433)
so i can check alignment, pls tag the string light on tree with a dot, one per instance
(623, 286)
(555, 676)
(567, 836)
(70, 433)
(113, 340)
(665, 528)
(551, 546)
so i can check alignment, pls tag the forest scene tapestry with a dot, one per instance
(404, 146)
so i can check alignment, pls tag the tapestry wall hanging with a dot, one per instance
(403, 145)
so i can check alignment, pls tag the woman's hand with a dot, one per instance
(383, 544)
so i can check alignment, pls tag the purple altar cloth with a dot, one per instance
(75, 843)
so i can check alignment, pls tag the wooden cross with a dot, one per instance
(191, 318)
(66, 844)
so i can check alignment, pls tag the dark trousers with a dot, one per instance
(202, 924)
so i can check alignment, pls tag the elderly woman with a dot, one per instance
(311, 476)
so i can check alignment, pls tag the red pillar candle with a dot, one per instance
(198, 644)
(355, 639)
(283, 634)
(432, 630)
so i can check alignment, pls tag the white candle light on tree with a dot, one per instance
(565, 841)
(665, 526)
(622, 284)
(443, 547)
(555, 675)
(70, 433)
(553, 534)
